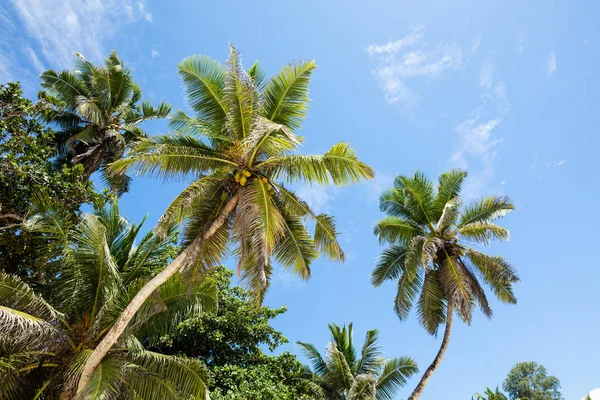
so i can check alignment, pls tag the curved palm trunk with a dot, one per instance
(119, 326)
(438, 358)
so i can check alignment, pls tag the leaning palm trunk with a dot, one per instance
(189, 254)
(437, 360)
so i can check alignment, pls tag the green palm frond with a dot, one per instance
(171, 156)
(389, 264)
(370, 361)
(392, 202)
(296, 250)
(240, 97)
(418, 198)
(342, 338)
(318, 364)
(497, 272)
(286, 94)
(364, 387)
(339, 165)
(339, 374)
(65, 84)
(483, 232)
(188, 375)
(449, 187)
(486, 210)
(396, 230)
(394, 376)
(449, 215)
(203, 82)
(454, 280)
(105, 382)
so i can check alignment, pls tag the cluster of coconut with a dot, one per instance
(242, 177)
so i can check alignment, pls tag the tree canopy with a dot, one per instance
(530, 380)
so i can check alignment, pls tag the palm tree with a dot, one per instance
(100, 116)
(428, 232)
(491, 395)
(47, 335)
(239, 148)
(344, 374)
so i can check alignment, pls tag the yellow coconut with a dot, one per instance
(243, 180)
(246, 174)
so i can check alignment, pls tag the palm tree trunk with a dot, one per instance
(189, 254)
(438, 358)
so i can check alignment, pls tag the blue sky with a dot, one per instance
(507, 90)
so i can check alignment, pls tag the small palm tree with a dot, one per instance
(491, 395)
(101, 115)
(344, 374)
(428, 232)
(45, 340)
(239, 149)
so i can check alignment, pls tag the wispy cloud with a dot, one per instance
(399, 61)
(317, 197)
(154, 54)
(551, 63)
(53, 29)
(555, 163)
(521, 43)
(478, 141)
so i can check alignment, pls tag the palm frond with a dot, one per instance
(318, 364)
(396, 373)
(363, 388)
(65, 86)
(483, 232)
(418, 193)
(339, 371)
(389, 264)
(370, 361)
(486, 210)
(296, 248)
(431, 307)
(286, 94)
(339, 165)
(396, 230)
(240, 97)
(203, 81)
(449, 215)
(454, 281)
(105, 381)
(497, 272)
(449, 187)
(171, 156)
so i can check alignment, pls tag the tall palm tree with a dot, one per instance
(428, 232)
(239, 148)
(101, 115)
(47, 335)
(344, 374)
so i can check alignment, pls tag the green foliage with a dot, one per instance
(240, 147)
(46, 334)
(99, 115)
(530, 380)
(230, 341)
(345, 374)
(490, 394)
(27, 174)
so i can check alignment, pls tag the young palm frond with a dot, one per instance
(101, 115)
(342, 375)
(428, 231)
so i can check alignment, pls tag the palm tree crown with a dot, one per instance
(429, 233)
(239, 151)
(45, 340)
(101, 115)
(344, 374)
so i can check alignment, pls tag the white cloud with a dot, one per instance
(317, 197)
(594, 395)
(478, 143)
(60, 27)
(399, 61)
(38, 66)
(521, 43)
(534, 163)
(551, 63)
(556, 163)
(154, 54)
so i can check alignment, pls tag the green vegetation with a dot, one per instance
(531, 380)
(428, 232)
(28, 173)
(344, 374)
(238, 148)
(48, 334)
(99, 116)
(92, 309)
(229, 342)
